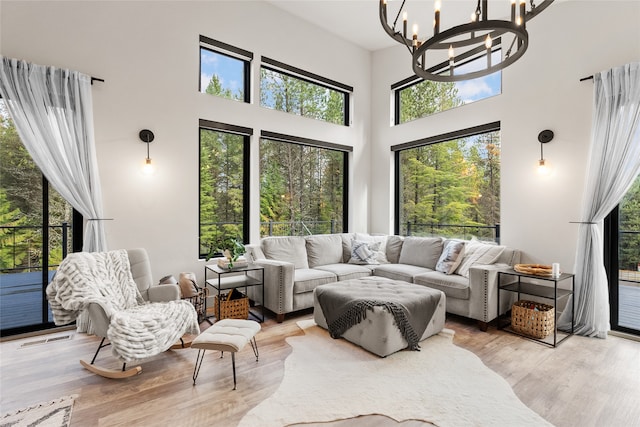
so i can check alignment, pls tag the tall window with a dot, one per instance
(37, 230)
(224, 192)
(296, 91)
(450, 185)
(416, 98)
(302, 186)
(224, 70)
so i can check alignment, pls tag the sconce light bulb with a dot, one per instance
(148, 168)
(543, 168)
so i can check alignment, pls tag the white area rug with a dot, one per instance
(56, 413)
(328, 380)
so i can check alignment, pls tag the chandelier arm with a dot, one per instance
(508, 53)
(395, 21)
(535, 10)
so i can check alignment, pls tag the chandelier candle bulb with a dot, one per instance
(436, 24)
(404, 24)
(523, 5)
(513, 11)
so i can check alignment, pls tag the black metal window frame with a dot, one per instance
(246, 174)
(77, 237)
(397, 149)
(413, 80)
(309, 77)
(229, 51)
(345, 149)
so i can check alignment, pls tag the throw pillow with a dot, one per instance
(476, 252)
(451, 256)
(381, 255)
(365, 252)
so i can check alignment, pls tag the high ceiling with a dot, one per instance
(357, 20)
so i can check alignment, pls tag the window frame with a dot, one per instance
(309, 77)
(399, 148)
(414, 80)
(230, 51)
(246, 133)
(345, 149)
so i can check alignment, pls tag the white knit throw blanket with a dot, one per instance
(138, 329)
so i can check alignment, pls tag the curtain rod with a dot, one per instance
(95, 79)
(586, 78)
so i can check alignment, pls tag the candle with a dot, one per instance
(523, 5)
(555, 269)
(436, 24)
(404, 24)
(513, 11)
(488, 43)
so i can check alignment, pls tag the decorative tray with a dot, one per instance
(534, 269)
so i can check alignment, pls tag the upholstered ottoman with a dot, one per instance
(226, 335)
(374, 310)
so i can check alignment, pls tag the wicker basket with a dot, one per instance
(531, 318)
(231, 308)
(198, 302)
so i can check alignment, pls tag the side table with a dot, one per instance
(228, 279)
(521, 283)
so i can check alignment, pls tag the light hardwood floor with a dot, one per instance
(583, 382)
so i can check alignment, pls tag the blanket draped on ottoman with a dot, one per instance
(345, 304)
(138, 329)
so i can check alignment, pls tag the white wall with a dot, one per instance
(568, 41)
(148, 54)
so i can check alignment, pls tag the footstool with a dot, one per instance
(226, 335)
(378, 332)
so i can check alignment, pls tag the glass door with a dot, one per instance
(622, 255)
(36, 233)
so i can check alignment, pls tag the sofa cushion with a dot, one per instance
(323, 249)
(476, 252)
(306, 279)
(404, 272)
(452, 254)
(347, 271)
(421, 251)
(394, 246)
(346, 245)
(453, 286)
(289, 248)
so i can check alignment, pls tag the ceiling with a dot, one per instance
(358, 22)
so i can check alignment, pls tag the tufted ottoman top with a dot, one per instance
(227, 335)
(381, 288)
(345, 304)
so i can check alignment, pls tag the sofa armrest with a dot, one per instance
(278, 285)
(483, 283)
(164, 293)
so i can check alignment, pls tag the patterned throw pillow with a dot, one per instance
(451, 256)
(364, 252)
(477, 252)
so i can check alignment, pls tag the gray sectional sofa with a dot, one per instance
(466, 271)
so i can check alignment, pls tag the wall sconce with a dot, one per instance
(147, 137)
(544, 168)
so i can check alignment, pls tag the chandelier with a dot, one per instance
(469, 50)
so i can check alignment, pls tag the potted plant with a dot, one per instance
(233, 249)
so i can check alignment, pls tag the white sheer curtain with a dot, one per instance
(53, 113)
(613, 167)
